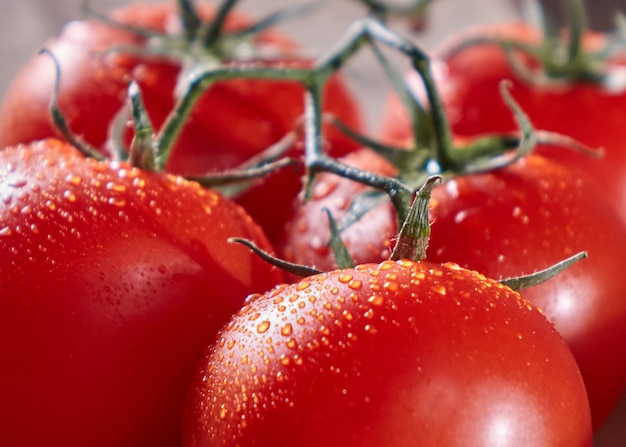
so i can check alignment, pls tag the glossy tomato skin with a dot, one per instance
(233, 120)
(507, 223)
(370, 239)
(112, 281)
(469, 80)
(527, 217)
(391, 354)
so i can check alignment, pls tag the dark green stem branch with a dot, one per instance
(578, 25)
(189, 17)
(197, 86)
(216, 26)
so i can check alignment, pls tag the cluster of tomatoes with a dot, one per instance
(129, 317)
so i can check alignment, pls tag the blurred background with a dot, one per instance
(26, 24)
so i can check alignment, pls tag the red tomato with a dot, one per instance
(589, 112)
(528, 217)
(231, 122)
(112, 282)
(391, 354)
(510, 222)
(368, 239)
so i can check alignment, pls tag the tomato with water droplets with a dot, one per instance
(232, 122)
(400, 353)
(590, 111)
(112, 282)
(505, 223)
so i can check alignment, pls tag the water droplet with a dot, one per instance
(355, 284)
(117, 202)
(460, 216)
(18, 183)
(323, 188)
(303, 285)
(376, 300)
(73, 179)
(139, 182)
(69, 195)
(391, 286)
(277, 290)
(252, 297)
(286, 330)
(263, 327)
(345, 278)
(6, 231)
(223, 411)
(439, 289)
(117, 187)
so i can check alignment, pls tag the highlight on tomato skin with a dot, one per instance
(112, 282)
(397, 353)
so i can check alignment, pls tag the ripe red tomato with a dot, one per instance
(368, 239)
(528, 217)
(509, 222)
(398, 353)
(590, 112)
(112, 282)
(233, 121)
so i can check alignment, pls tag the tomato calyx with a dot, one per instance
(560, 57)
(149, 153)
(59, 118)
(201, 41)
(415, 231)
(411, 244)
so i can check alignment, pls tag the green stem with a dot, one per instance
(58, 118)
(141, 149)
(216, 26)
(197, 86)
(523, 282)
(190, 19)
(415, 231)
(577, 27)
(295, 269)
